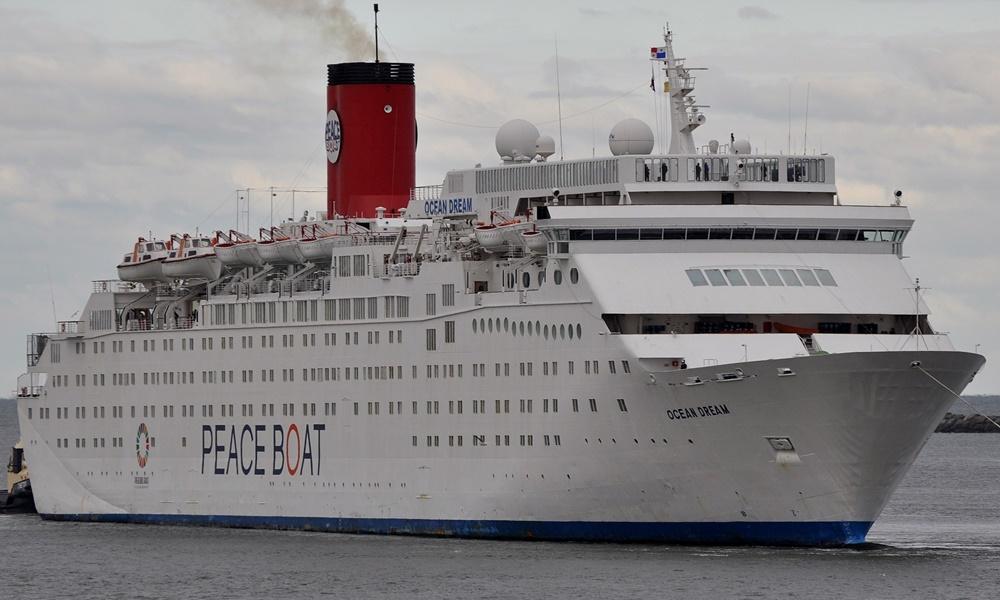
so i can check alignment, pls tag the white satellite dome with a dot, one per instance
(740, 147)
(631, 136)
(516, 139)
(545, 146)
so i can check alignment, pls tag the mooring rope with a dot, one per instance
(916, 365)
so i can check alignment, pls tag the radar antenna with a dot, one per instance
(685, 113)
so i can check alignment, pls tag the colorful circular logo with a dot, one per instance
(142, 445)
(333, 136)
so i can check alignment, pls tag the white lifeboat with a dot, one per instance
(535, 241)
(276, 248)
(493, 237)
(145, 263)
(237, 249)
(192, 258)
(317, 243)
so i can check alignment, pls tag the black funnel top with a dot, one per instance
(362, 72)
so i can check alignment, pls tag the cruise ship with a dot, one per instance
(708, 345)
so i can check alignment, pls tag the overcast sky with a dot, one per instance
(117, 118)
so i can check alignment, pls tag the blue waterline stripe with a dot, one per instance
(816, 533)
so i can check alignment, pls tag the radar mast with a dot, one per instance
(685, 112)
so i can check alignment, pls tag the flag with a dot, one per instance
(658, 53)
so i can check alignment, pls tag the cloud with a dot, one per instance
(755, 12)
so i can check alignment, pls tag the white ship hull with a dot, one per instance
(685, 463)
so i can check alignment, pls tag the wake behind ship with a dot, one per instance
(702, 346)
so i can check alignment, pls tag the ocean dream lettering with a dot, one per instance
(448, 206)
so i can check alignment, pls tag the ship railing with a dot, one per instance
(425, 192)
(103, 286)
(410, 269)
(181, 323)
(365, 240)
(30, 391)
(137, 325)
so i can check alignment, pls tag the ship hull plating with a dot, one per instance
(680, 463)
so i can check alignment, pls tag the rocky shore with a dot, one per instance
(956, 423)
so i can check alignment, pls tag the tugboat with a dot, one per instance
(18, 497)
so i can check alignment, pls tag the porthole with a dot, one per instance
(506, 324)
(521, 327)
(579, 332)
(526, 279)
(545, 332)
(562, 331)
(570, 331)
(490, 322)
(538, 327)
(574, 275)
(498, 324)
(557, 277)
(475, 326)
(541, 278)
(531, 328)
(482, 325)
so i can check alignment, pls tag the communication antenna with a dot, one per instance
(376, 32)
(559, 99)
(805, 129)
(52, 294)
(789, 117)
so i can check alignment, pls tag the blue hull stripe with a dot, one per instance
(815, 533)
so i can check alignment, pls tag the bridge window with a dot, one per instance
(825, 277)
(715, 277)
(771, 277)
(807, 277)
(697, 277)
(734, 277)
(789, 277)
(753, 277)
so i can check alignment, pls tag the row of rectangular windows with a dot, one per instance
(367, 373)
(395, 336)
(739, 233)
(308, 311)
(758, 278)
(433, 407)
(433, 441)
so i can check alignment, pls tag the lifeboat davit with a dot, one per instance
(193, 258)
(237, 249)
(145, 263)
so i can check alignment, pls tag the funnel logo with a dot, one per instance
(142, 445)
(333, 136)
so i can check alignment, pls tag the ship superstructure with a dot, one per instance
(707, 345)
